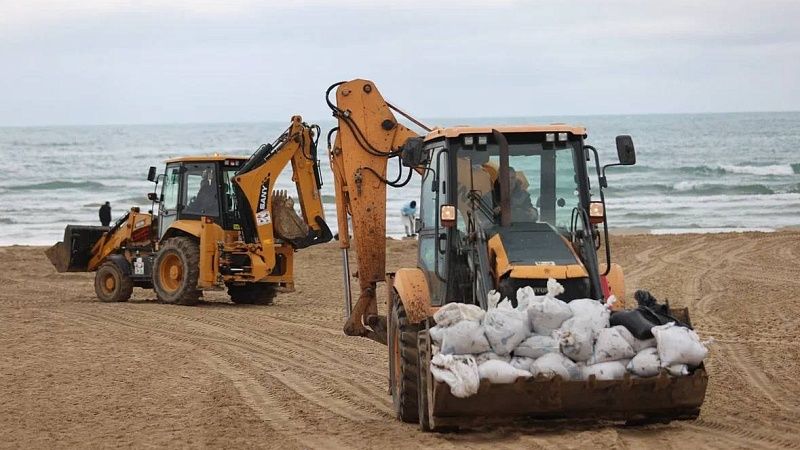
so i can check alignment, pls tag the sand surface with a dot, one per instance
(78, 373)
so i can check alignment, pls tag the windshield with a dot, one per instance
(542, 184)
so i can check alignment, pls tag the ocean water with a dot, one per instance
(695, 172)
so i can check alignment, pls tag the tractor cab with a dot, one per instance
(517, 200)
(195, 187)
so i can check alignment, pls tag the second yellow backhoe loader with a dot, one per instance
(219, 225)
(500, 208)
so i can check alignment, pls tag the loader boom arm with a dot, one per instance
(368, 136)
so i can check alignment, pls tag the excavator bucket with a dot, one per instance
(633, 400)
(288, 225)
(74, 252)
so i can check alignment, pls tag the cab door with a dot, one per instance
(168, 207)
(433, 242)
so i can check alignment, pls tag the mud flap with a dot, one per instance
(657, 399)
(75, 251)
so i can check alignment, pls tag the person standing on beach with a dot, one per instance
(409, 214)
(105, 214)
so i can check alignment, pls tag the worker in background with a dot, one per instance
(105, 214)
(409, 215)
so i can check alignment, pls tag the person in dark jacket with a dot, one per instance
(105, 214)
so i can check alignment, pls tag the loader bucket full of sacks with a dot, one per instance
(544, 337)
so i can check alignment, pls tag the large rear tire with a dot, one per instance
(403, 363)
(177, 268)
(111, 285)
(252, 293)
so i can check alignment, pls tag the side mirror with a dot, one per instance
(151, 174)
(625, 150)
(152, 196)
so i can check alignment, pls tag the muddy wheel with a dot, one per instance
(111, 285)
(403, 363)
(252, 293)
(176, 270)
(422, 364)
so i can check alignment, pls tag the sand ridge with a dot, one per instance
(75, 372)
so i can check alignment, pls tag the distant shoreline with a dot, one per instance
(612, 232)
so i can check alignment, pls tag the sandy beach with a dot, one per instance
(78, 373)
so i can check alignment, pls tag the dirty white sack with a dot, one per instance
(522, 362)
(460, 372)
(465, 337)
(537, 346)
(500, 372)
(593, 310)
(576, 338)
(609, 370)
(546, 313)
(678, 345)
(611, 346)
(645, 363)
(436, 334)
(505, 328)
(553, 364)
(678, 370)
(452, 313)
(483, 357)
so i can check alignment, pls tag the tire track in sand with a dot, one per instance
(349, 404)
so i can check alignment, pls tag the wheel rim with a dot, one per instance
(108, 283)
(171, 273)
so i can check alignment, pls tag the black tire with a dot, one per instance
(111, 285)
(403, 364)
(176, 270)
(252, 293)
(422, 399)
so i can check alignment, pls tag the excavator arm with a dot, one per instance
(368, 135)
(268, 215)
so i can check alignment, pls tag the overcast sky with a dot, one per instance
(149, 61)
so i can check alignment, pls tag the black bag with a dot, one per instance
(647, 315)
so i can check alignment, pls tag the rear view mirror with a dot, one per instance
(151, 174)
(625, 150)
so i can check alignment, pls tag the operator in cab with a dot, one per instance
(522, 209)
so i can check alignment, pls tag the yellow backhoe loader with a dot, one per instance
(219, 224)
(500, 208)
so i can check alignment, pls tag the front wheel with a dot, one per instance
(111, 285)
(403, 363)
(177, 268)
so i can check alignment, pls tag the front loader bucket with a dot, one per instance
(634, 400)
(73, 254)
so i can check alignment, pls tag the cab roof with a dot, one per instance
(206, 158)
(454, 132)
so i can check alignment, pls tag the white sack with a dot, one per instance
(505, 328)
(460, 372)
(465, 337)
(522, 362)
(678, 370)
(678, 345)
(537, 346)
(610, 370)
(452, 313)
(611, 346)
(641, 344)
(436, 333)
(587, 308)
(625, 334)
(483, 357)
(645, 363)
(553, 364)
(546, 313)
(492, 299)
(500, 372)
(576, 338)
